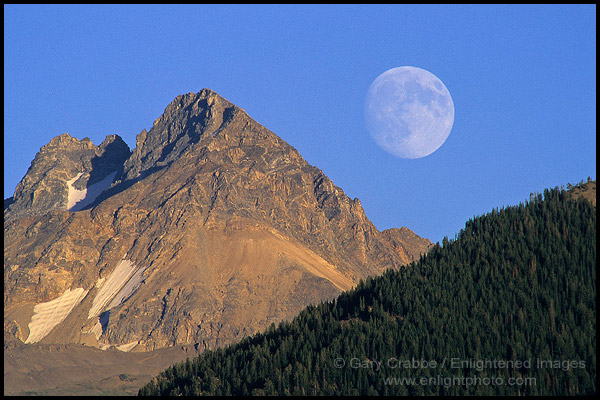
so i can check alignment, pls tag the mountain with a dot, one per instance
(507, 308)
(211, 229)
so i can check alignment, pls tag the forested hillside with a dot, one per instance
(506, 308)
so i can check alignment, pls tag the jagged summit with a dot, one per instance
(212, 229)
(66, 160)
(195, 124)
(189, 119)
(64, 165)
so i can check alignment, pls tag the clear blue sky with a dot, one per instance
(522, 78)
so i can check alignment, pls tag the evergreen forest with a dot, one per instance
(508, 307)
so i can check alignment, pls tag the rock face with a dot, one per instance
(213, 229)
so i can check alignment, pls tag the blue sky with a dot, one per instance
(522, 79)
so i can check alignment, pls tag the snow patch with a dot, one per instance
(47, 315)
(78, 199)
(127, 346)
(118, 287)
(75, 196)
(128, 289)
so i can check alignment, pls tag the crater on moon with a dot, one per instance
(409, 112)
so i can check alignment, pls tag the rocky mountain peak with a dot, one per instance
(66, 142)
(187, 120)
(64, 166)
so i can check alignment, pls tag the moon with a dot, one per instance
(409, 112)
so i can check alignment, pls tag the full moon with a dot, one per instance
(409, 112)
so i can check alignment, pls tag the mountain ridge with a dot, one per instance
(212, 228)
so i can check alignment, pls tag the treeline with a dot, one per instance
(506, 308)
